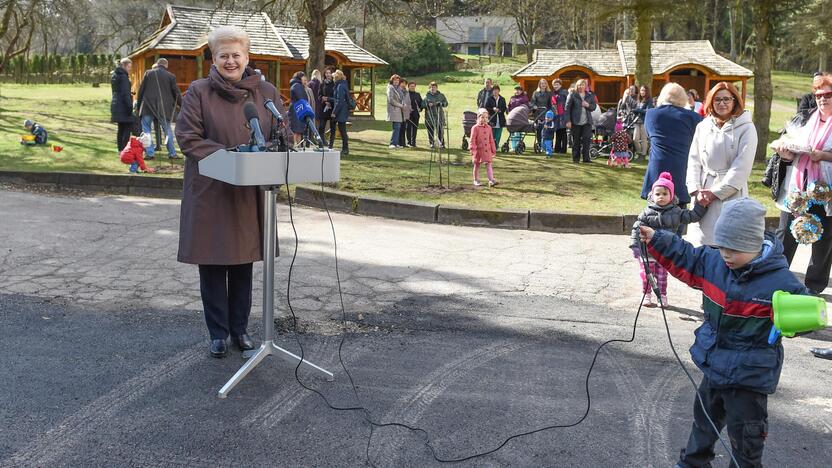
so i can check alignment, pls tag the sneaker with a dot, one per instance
(393, 146)
(134, 167)
(664, 300)
(477, 183)
(492, 183)
(174, 156)
(648, 301)
(149, 157)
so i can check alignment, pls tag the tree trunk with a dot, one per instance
(644, 70)
(732, 33)
(763, 11)
(715, 23)
(316, 29)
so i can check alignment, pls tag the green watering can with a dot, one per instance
(795, 314)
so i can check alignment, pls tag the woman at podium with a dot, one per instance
(221, 224)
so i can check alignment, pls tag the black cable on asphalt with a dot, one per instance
(368, 414)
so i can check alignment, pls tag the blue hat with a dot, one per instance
(550, 115)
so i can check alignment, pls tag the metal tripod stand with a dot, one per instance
(268, 347)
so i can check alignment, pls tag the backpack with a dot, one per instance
(350, 101)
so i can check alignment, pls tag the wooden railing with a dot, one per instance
(363, 101)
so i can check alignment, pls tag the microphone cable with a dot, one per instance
(427, 439)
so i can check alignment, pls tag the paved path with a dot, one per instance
(473, 334)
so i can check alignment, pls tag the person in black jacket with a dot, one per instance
(578, 115)
(326, 102)
(121, 106)
(413, 120)
(157, 100)
(559, 96)
(496, 107)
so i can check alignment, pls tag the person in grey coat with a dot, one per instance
(395, 109)
(578, 118)
(157, 100)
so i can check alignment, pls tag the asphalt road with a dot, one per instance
(471, 334)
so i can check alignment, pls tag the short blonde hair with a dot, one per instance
(673, 93)
(224, 34)
(580, 82)
(316, 74)
(338, 75)
(124, 61)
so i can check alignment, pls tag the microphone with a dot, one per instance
(305, 113)
(254, 124)
(270, 106)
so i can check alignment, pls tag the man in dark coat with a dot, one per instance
(121, 106)
(484, 93)
(157, 100)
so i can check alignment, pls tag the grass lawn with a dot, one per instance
(77, 118)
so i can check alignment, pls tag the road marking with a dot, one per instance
(51, 446)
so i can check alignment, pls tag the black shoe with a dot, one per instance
(824, 353)
(149, 158)
(345, 152)
(587, 161)
(175, 156)
(244, 342)
(218, 348)
(575, 161)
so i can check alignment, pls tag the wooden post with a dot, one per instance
(707, 86)
(373, 92)
(744, 80)
(200, 63)
(277, 76)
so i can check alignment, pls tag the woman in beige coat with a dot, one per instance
(720, 159)
(395, 107)
(221, 225)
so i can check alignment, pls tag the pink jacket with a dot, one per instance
(483, 147)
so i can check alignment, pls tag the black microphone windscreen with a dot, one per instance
(250, 111)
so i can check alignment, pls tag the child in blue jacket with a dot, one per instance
(731, 348)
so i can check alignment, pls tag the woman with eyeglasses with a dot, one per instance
(721, 157)
(812, 164)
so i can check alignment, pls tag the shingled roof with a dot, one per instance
(668, 54)
(546, 62)
(622, 60)
(186, 28)
(336, 40)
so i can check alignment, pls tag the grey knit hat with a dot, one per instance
(28, 123)
(741, 225)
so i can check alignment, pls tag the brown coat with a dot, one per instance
(220, 224)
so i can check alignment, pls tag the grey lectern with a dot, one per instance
(268, 170)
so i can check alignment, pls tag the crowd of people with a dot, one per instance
(404, 108)
(158, 100)
(738, 265)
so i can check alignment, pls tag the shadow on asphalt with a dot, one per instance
(136, 387)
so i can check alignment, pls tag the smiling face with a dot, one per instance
(581, 87)
(823, 97)
(412, 86)
(643, 92)
(735, 259)
(231, 59)
(723, 104)
(661, 195)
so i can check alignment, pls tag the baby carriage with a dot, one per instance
(619, 141)
(519, 126)
(601, 142)
(469, 119)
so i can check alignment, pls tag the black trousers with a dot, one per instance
(123, 135)
(581, 138)
(345, 139)
(743, 411)
(226, 298)
(560, 141)
(817, 275)
(431, 130)
(411, 127)
(327, 118)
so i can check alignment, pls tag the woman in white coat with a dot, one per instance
(721, 157)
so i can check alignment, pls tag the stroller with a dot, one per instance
(469, 119)
(519, 126)
(603, 146)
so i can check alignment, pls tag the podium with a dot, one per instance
(268, 170)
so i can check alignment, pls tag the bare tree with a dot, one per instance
(17, 27)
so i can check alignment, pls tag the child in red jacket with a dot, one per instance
(133, 153)
(483, 148)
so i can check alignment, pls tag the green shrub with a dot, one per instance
(410, 53)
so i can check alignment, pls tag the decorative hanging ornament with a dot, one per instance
(807, 228)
